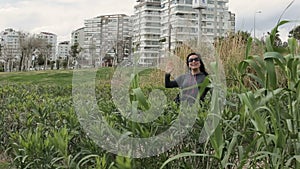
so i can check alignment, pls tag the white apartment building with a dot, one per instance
(178, 21)
(107, 39)
(217, 20)
(77, 36)
(10, 44)
(63, 49)
(147, 31)
(51, 39)
(10, 48)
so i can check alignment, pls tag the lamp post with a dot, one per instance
(254, 23)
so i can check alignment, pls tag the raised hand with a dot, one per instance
(169, 67)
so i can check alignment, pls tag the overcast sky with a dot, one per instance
(63, 16)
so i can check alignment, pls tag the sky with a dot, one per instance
(64, 16)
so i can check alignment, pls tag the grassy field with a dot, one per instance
(60, 77)
(258, 128)
(64, 77)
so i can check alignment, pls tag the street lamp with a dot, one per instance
(254, 23)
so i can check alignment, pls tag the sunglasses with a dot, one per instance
(194, 59)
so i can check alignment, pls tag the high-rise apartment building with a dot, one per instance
(179, 22)
(51, 40)
(10, 44)
(77, 36)
(107, 37)
(10, 48)
(147, 31)
(165, 24)
(217, 20)
(63, 50)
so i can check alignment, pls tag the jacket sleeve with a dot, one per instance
(170, 83)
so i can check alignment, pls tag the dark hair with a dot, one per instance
(202, 66)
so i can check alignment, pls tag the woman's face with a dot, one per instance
(194, 62)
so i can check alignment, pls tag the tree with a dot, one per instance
(52, 64)
(75, 50)
(1, 46)
(295, 33)
(65, 64)
(47, 47)
(40, 60)
(57, 64)
(28, 45)
(9, 58)
(277, 42)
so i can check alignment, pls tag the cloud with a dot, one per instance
(57, 16)
(63, 16)
(271, 11)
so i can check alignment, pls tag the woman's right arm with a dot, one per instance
(170, 83)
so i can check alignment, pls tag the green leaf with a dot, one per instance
(271, 74)
(140, 97)
(297, 157)
(248, 100)
(257, 79)
(277, 57)
(258, 65)
(217, 142)
(123, 163)
(292, 45)
(242, 67)
(289, 161)
(183, 155)
(85, 160)
(259, 122)
(297, 86)
(248, 47)
(269, 44)
(203, 85)
(230, 148)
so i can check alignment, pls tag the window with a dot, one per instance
(189, 1)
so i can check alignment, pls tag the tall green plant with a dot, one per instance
(273, 107)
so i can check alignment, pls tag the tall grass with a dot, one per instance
(259, 126)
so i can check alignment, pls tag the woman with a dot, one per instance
(189, 82)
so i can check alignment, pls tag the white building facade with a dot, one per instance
(147, 31)
(10, 44)
(107, 37)
(177, 21)
(10, 48)
(51, 40)
(217, 20)
(77, 36)
(63, 50)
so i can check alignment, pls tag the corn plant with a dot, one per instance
(273, 110)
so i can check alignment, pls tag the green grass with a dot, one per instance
(64, 77)
(57, 77)
(38, 77)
